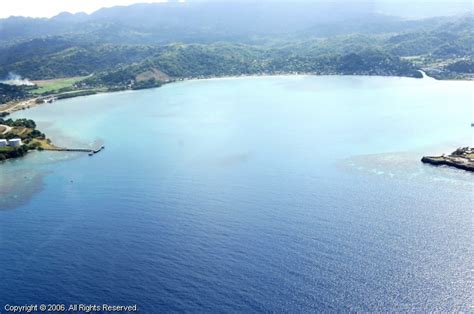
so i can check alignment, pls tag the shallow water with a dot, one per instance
(252, 194)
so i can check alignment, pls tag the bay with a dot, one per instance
(291, 193)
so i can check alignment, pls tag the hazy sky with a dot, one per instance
(49, 8)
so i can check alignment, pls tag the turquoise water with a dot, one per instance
(252, 194)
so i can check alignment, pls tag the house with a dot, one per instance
(15, 142)
(3, 143)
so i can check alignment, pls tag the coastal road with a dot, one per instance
(11, 107)
(4, 129)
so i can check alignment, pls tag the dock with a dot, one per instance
(91, 152)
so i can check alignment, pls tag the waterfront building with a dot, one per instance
(16, 142)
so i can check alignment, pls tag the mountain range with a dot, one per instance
(120, 46)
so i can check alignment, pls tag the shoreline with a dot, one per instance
(445, 161)
(9, 108)
(461, 158)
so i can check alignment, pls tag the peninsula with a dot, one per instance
(461, 158)
(17, 137)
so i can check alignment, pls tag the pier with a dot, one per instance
(90, 151)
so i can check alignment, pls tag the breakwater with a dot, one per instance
(444, 161)
(460, 159)
(80, 150)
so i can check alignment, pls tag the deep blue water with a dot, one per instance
(286, 194)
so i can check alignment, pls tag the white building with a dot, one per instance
(15, 142)
(3, 143)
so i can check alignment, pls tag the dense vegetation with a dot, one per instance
(249, 22)
(26, 123)
(462, 66)
(12, 92)
(193, 60)
(12, 152)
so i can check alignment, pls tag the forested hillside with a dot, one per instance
(143, 45)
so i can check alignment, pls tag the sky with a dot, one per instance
(49, 8)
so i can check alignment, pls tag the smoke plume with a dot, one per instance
(15, 79)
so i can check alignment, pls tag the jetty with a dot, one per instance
(461, 158)
(91, 152)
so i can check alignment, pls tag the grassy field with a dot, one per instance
(43, 143)
(6, 149)
(47, 86)
(21, 131)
